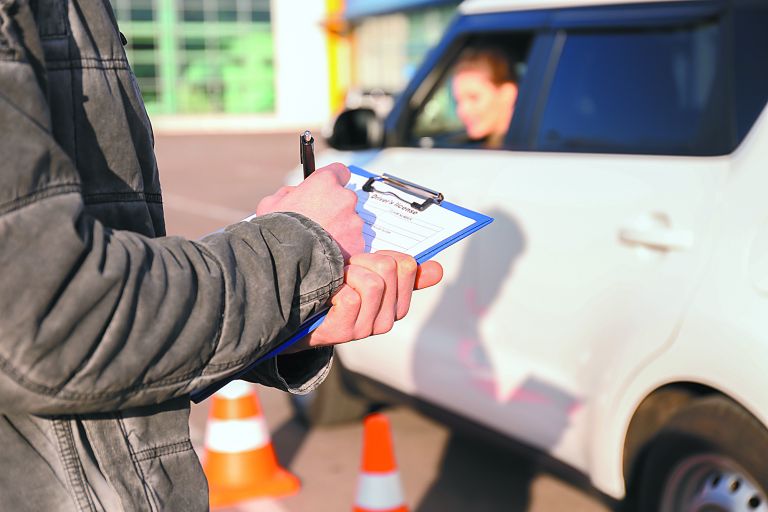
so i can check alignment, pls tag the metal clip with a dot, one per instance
(429, 196)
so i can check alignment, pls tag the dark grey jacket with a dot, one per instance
(106, 325)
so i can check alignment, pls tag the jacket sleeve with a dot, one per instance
(95, 319)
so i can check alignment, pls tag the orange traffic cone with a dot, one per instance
(239, 462)
(379, 488)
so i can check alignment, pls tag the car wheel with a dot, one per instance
(710, 456)
(331, 403)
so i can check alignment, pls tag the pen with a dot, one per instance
(307, 153)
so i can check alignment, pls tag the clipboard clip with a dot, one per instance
(427, 195)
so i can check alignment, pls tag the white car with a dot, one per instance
(615, 314)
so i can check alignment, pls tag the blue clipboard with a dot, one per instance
(431, 199)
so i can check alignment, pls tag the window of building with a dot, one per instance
(142, 10)
(193, 44)
(390, 47)
(142, 44)
(226, 10)
(215, 56)
(193, 11)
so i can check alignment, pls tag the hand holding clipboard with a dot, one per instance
(399, 216)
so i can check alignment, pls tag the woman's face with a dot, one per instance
(483, 107)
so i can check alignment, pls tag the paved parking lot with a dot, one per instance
(440, 470)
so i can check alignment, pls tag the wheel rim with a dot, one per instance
(711, 483)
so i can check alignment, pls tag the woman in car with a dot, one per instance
(484, 85)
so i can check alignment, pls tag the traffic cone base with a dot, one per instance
(247, 475)
(240, 463)
(378, 492)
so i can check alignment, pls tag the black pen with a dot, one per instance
(307, 153)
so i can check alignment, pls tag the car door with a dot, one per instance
(601, 230)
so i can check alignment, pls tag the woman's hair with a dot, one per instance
(490, 59)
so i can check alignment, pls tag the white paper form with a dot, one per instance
(391, 223)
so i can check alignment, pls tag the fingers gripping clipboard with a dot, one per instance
(399, 215)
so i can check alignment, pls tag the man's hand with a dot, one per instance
(323, 198)
(377, 287)
(376, 292)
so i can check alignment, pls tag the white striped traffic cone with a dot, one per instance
(239, 462)
(378, 488)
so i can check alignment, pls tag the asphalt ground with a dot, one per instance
(210, 181)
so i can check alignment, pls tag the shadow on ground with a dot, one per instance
(475, 476)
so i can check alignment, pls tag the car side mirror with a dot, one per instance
(355, 129)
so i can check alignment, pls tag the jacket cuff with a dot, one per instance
(301, 372)
(298, 373)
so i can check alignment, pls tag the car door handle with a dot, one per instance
(657, 238)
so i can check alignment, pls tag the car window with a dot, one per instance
(437, 122)
(643, 91)
(750, 52)
(461, 111)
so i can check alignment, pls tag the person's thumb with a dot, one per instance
(428, 274)
(338, 170)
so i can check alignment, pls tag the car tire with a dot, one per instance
(711, 455)
(331, 403)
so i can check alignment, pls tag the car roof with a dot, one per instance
(485, 6)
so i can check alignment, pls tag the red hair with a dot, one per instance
(492, 60)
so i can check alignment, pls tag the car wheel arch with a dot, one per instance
(687, 445)
(652, 414)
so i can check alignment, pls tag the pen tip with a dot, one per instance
(307, 135)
